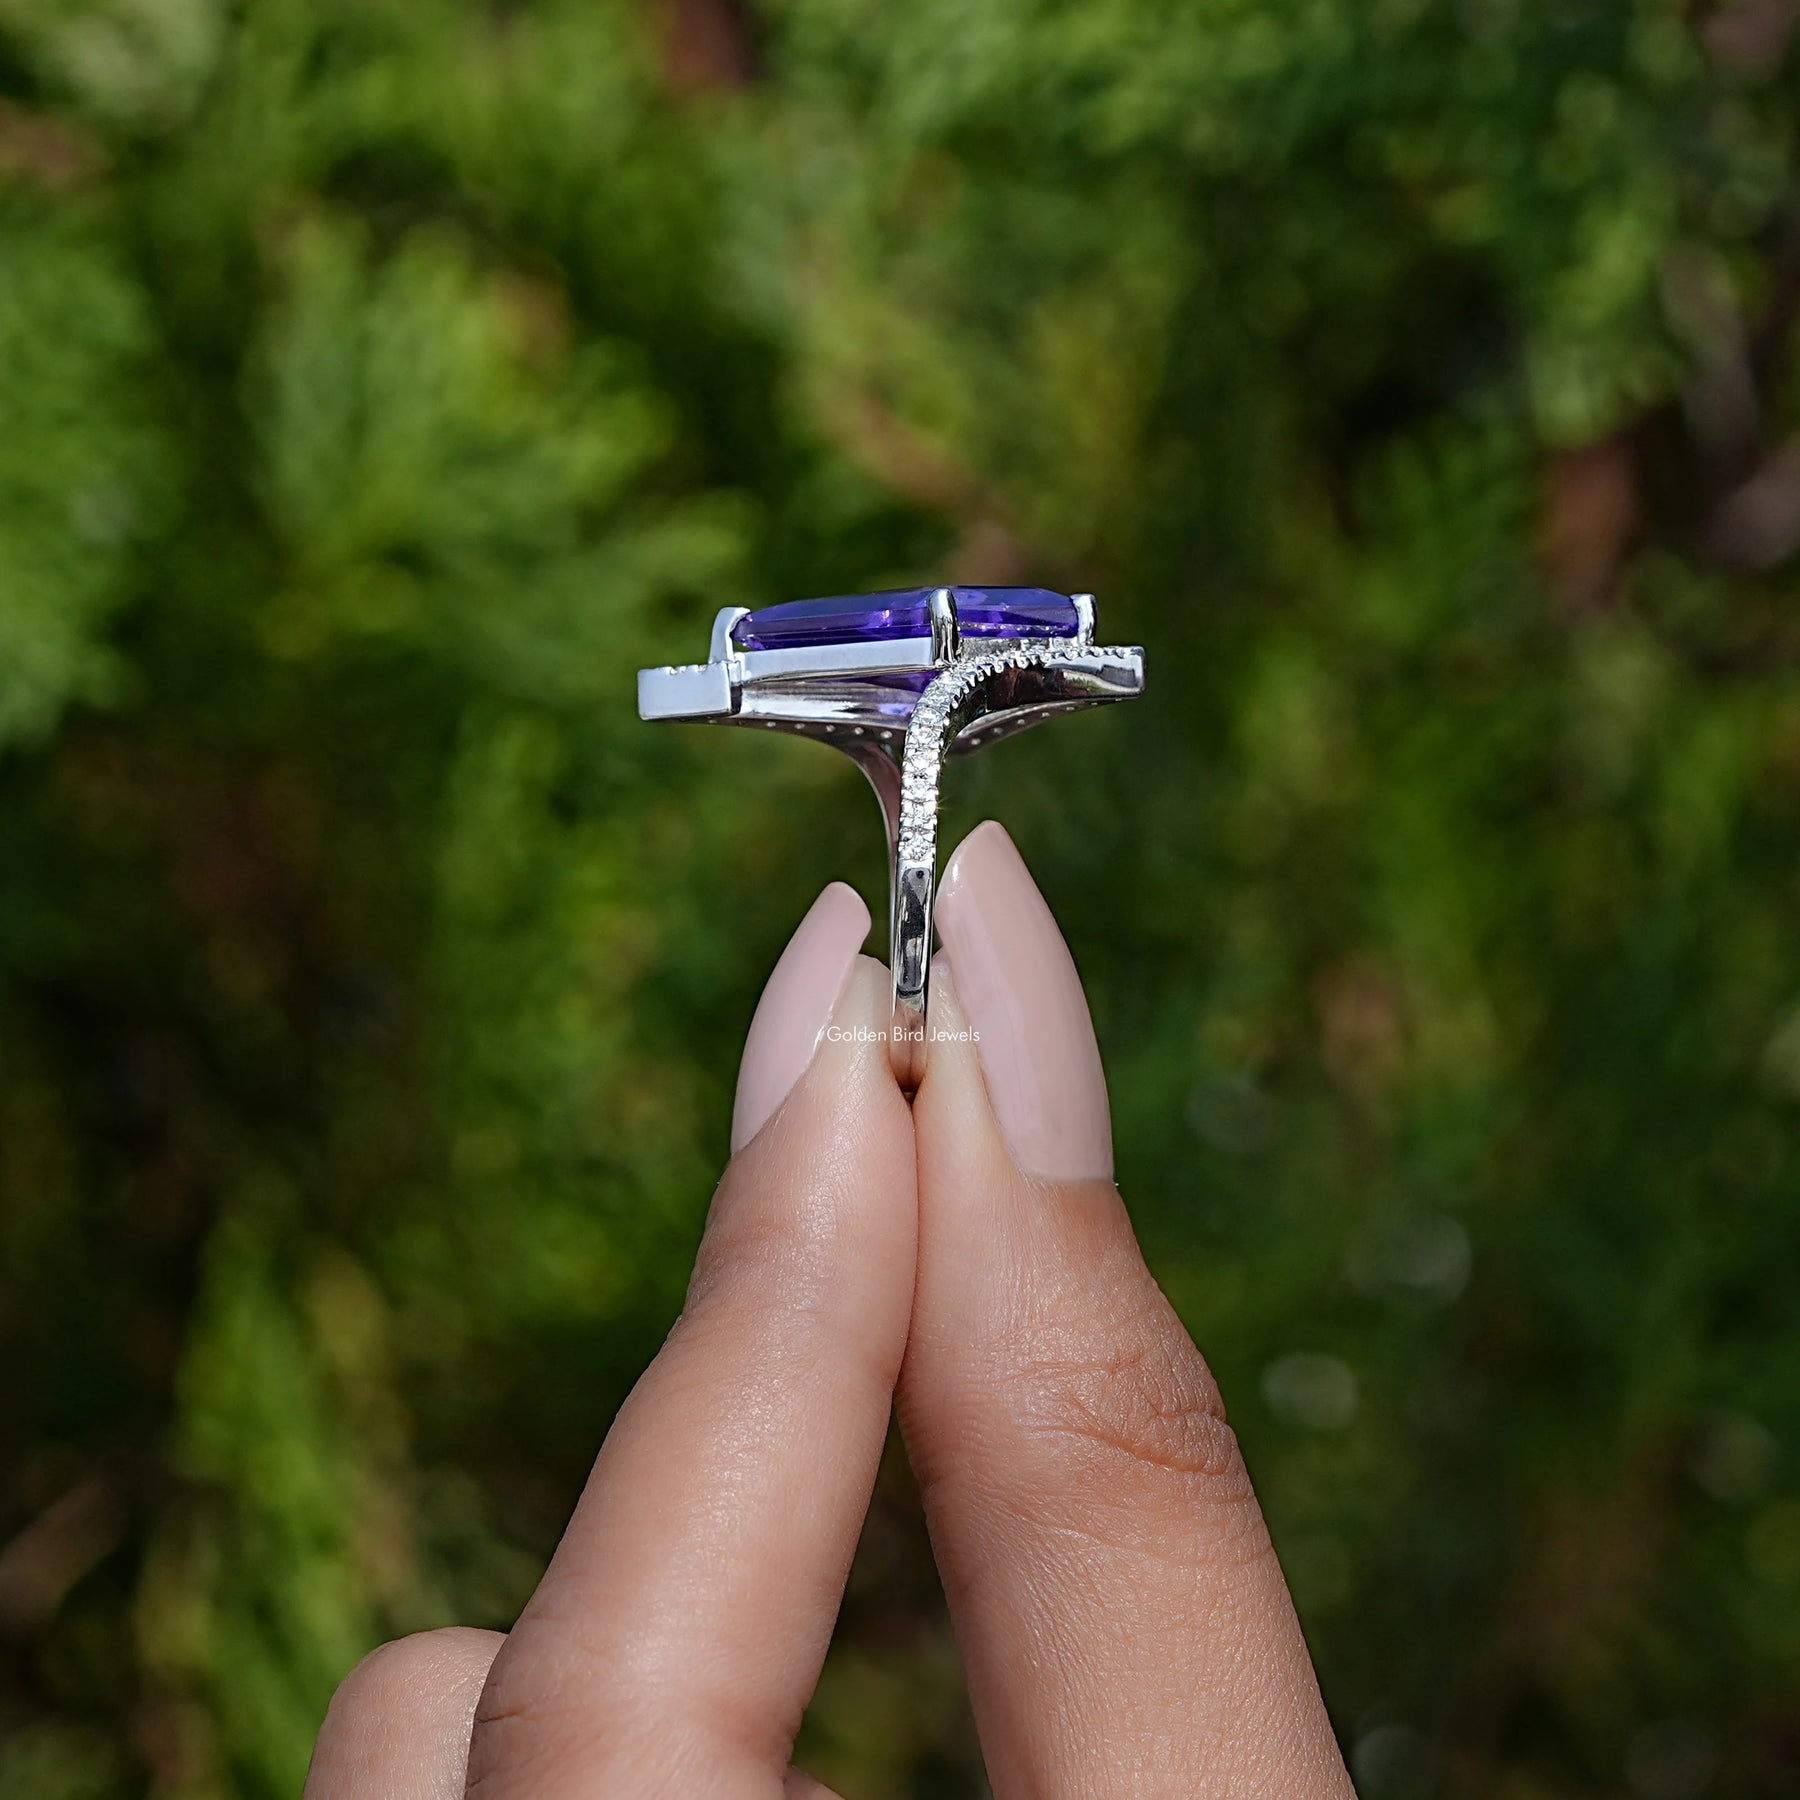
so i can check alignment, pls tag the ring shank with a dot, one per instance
(976, 698)
(915, 885)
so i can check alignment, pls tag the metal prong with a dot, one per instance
(944, 634)
(1084, 618)
(723, 620)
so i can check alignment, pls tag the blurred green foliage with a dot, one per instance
(383, 381)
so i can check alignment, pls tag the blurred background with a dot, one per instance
(383, 381)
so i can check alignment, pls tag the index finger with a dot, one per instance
(678, 1633)
(1089, 1509)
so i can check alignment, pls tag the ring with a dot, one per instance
(898, 681)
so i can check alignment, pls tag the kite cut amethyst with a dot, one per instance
(997, 612)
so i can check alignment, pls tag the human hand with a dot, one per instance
(1122, 1620)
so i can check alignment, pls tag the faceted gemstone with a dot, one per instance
(1014, 612)
(999, 612)
(841, 619)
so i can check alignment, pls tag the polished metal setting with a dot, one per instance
(865, 698)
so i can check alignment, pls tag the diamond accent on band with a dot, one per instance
(1011, 613)
(928, 736)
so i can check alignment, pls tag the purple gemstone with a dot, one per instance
(842, 619)
(1000, 612)
(1014, 612)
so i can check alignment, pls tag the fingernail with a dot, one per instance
(1018, 985)
(796, 1006)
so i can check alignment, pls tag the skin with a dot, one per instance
(1122, 1619)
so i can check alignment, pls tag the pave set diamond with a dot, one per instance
(932, 731)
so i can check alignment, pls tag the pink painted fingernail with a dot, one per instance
(796, 1005)
(1017, 983)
